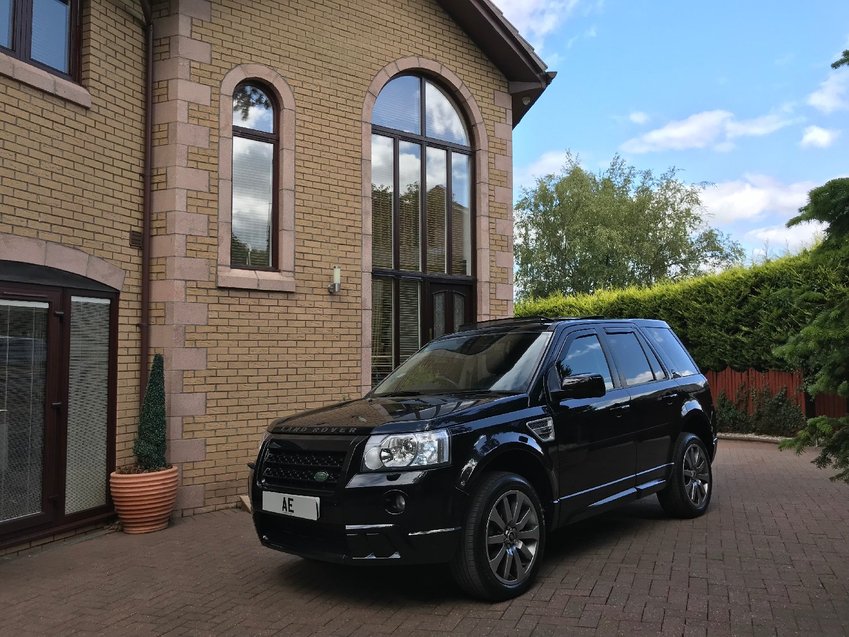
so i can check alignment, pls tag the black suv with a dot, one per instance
(485, 440)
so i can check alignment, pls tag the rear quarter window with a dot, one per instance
(665, 340)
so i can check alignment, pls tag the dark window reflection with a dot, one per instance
(585, 356)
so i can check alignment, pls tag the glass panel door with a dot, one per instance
(23, 391)
(86, 465)
(449, 308)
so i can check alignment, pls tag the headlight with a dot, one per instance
(403, 451)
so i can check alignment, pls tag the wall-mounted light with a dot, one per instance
(526, 100)
(336, 286)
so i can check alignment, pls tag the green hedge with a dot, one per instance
(732, 319)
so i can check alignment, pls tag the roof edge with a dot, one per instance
(526, 73)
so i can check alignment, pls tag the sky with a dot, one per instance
(739, 94)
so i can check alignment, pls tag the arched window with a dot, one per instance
(255, 152)
(422, 210)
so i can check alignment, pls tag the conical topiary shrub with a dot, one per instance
(150, 441)
(144, 493)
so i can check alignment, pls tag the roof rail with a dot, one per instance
(506, 321)
(525, 320)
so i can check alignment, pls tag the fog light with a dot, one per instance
(395, 502)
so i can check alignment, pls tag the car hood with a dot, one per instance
(395, 414)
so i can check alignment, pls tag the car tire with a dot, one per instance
(690, 487)
(503, 539)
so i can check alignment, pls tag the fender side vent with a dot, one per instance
(543, 428)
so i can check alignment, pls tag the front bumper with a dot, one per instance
(354, 525)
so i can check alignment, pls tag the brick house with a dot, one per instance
(202, 210)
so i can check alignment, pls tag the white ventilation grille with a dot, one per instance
(543, 428)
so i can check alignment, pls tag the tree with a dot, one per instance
(577, 232)
(821, 348)
(843, 60)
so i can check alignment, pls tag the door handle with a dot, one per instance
(619, 410)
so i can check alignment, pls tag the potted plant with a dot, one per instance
(144, 493)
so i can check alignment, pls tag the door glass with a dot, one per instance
(459, 310)
(438, 314)
(585, 356)
(682, 364)
(23, 375)
(382, 344)
(408, 312)
(88, 378)
(630, 358)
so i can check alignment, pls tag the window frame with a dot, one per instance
(396, 274)
(272, 138)
(21, 44)
(282, 277)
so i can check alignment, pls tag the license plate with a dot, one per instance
(295, 506)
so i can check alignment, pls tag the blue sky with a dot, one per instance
(736, 93)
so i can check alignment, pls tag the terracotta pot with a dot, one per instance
(144, 501)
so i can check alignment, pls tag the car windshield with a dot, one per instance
(491, 362)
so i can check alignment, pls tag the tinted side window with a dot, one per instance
(630, 358)
(585, 356)
(656, 367)
(668, 343)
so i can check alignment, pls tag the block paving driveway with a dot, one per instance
(771, 557)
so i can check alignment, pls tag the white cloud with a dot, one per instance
(783, 239)
(832, 95)
(548, 163)
(638, 117)
(697, 131)
(754, 196)
(759, 126)
(586, 35)
(708, 129)
(535, 19)
(816, 137)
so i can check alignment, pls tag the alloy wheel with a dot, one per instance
(696, 475)
(512, 537)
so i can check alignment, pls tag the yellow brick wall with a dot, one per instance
(72, 175)
(272, 354)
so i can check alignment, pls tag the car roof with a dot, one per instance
(544, 323)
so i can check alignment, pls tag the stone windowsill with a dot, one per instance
(42, 80)
(255, 280)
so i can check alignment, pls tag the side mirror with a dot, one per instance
(580, 386)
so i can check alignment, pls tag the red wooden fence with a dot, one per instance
(730, 382)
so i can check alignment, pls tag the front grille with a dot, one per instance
(291, 467)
